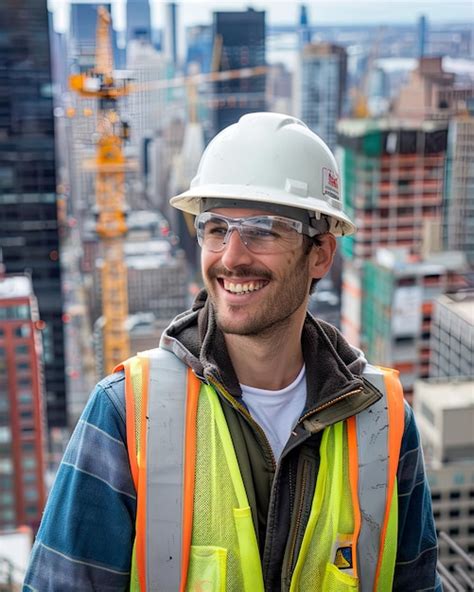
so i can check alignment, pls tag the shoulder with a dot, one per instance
(106, 405)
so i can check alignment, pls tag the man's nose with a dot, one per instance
(235, 252)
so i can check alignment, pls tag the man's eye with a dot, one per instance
(260, 233)
(216, 230)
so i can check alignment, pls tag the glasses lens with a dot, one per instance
(260, 234)
(269, 234)
(211, 231)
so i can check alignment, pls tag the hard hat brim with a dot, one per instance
(190, 202)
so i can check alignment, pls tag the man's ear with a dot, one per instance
(322, 255)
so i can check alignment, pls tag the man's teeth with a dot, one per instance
(244, 287)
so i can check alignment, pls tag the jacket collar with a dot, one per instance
(333, 367)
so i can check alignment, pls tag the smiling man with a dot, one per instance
(255, 449)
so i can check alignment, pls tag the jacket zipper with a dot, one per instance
(299, 507)
(261, 434)
(292, 558)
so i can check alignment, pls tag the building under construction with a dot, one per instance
(393, 175)
(397, 304)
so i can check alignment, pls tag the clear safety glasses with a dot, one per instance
(260, 234)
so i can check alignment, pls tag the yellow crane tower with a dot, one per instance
(109, 166)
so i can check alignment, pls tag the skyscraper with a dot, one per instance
(28, 209)
(319, 87)
(21, 417)
(458, 224)
(138, 20)
(241, 38)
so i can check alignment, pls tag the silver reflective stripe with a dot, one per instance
(164, 489)
(372, 445)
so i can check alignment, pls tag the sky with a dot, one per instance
(326, 12)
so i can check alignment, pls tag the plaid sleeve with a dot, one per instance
(86, 534)
(417, 552)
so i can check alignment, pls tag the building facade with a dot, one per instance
(29, 234)
(445, 414)
(393, 180)
(397, 300)
(319, 88)
(138, 20)
(22, 489)
(452, 336)
(241, 44)
(458, 227)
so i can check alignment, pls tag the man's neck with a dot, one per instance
(269, 362)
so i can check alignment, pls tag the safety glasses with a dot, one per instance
(260, 234)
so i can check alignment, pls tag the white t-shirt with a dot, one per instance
(277, 411)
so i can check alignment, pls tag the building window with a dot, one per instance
(23, 331)
(21, 349)
(454, 513)
(6, 498)
(31, 495)
(21, 366)
(454, 495)
(25, 397)
(6, 466)
(7, 515)
(31, 511)
(5, 435)
(29, 462)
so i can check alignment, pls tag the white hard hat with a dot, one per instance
(269, 158)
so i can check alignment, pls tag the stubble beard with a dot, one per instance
(272, 314)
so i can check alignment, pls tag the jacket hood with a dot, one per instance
(333, 367)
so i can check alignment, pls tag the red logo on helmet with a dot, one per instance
(330, 183)
(333, 181)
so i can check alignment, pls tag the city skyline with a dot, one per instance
(325, 12)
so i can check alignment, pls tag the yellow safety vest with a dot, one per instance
(194, 529)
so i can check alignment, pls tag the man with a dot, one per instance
(255, 449)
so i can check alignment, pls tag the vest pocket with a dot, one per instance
(207, 569)
(336, 580)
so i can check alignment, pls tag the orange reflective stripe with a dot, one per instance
(192, 398)
(396, 422)
(354, 483)
(130, 423)
(141, 492)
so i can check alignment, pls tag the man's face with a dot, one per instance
(253, 293)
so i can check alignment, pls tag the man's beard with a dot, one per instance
(273, 312)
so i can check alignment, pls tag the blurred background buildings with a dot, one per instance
(85, 179)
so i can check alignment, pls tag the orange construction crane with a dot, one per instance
(109, 167)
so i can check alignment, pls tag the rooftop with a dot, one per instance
(461, 304)
(447, 393)
(15, 286)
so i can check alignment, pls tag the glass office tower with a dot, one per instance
(29, 238)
